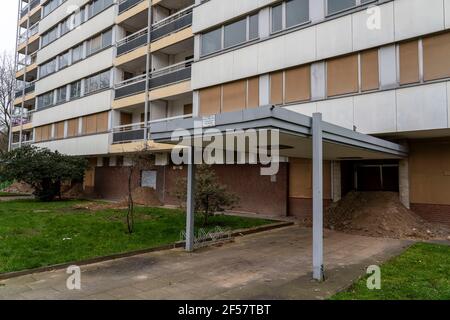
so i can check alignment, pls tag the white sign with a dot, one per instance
(209, 121)
(148, 179)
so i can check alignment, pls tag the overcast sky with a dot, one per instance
(8, 21)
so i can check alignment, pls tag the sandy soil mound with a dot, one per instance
(19, 187)
(146, 197)
(380, 214)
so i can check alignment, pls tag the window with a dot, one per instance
(47, 68)
(235, 33)
(289, 14)
(72, 127)
(45, 100)
(276, 88)
(253, 32)
(64, 60)
(277, 18)
(297, 12)
(98, 82)
(98, 5)
(72, 22)
(77, 53)
(49, 36)
(336, 6)
(75, 90)
(51, 6)
(230, 35)
(99, 42)
(95, 123)
(211, 41)
(297, 84)
(94, 45)
(61, 94)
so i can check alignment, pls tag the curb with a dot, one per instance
(179, 244)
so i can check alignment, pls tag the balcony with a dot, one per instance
(135, 132)
(29, 87)
(132, 42)
(163, 77)
(125, 5)
(29, 33)
(20, 120)
(33, 4)
(172, 24)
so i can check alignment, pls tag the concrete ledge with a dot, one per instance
(179, 244)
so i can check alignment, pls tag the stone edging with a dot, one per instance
(179, 244)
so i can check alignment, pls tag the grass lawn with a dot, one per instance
(421, 273)
(35, 234)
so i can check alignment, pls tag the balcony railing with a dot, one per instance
(34, 29)
(172, 24)
(16, 145)
(124, 5)
(33, 4)
(17, 120)
(29, 87)
(136, 40)
(163, 77)
(135, 131)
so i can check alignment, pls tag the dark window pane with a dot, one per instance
(297, 12)
(339, 5)
(236, 33)
(212, 41)
(254, 29)
(277, 18)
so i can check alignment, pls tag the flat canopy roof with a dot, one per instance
(295, 134)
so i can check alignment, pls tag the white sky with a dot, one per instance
(8, 22)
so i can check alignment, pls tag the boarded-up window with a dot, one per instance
(342, 75)
(72, 127)
(102, 122)
(46, 132)
(89, 124)
(38, 134)
(276, 88)
(210, 101)
(253, 93)
(436, 57)
(59, 130)
(370, 79)
(298, 84)
(234, 96)
(409, 62)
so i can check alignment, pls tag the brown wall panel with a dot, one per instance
(276, 88)
(234, 96)
(210, 101)
(253, 93)
(90, 124)
(298, 84)
(370, 79)
(429, 167)
(409, 62)
(72, 127)
(342, 75)
(102, 122)
(59, 130)
(300, 178)
(436, 57)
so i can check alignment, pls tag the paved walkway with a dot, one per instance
(269, 265)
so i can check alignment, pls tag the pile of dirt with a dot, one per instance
(73, 192)
(19, 188)
(380, 214)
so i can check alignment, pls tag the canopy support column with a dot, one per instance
(317, 160)
(190, 202)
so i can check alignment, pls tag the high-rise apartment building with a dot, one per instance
(96, 75)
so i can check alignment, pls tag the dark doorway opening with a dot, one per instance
(370, 176)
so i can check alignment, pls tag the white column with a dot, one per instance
(317, 161)
(190, 202)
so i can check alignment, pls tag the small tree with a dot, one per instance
(139, 160)
(41, 168)
(7, 85)
(210, 195)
